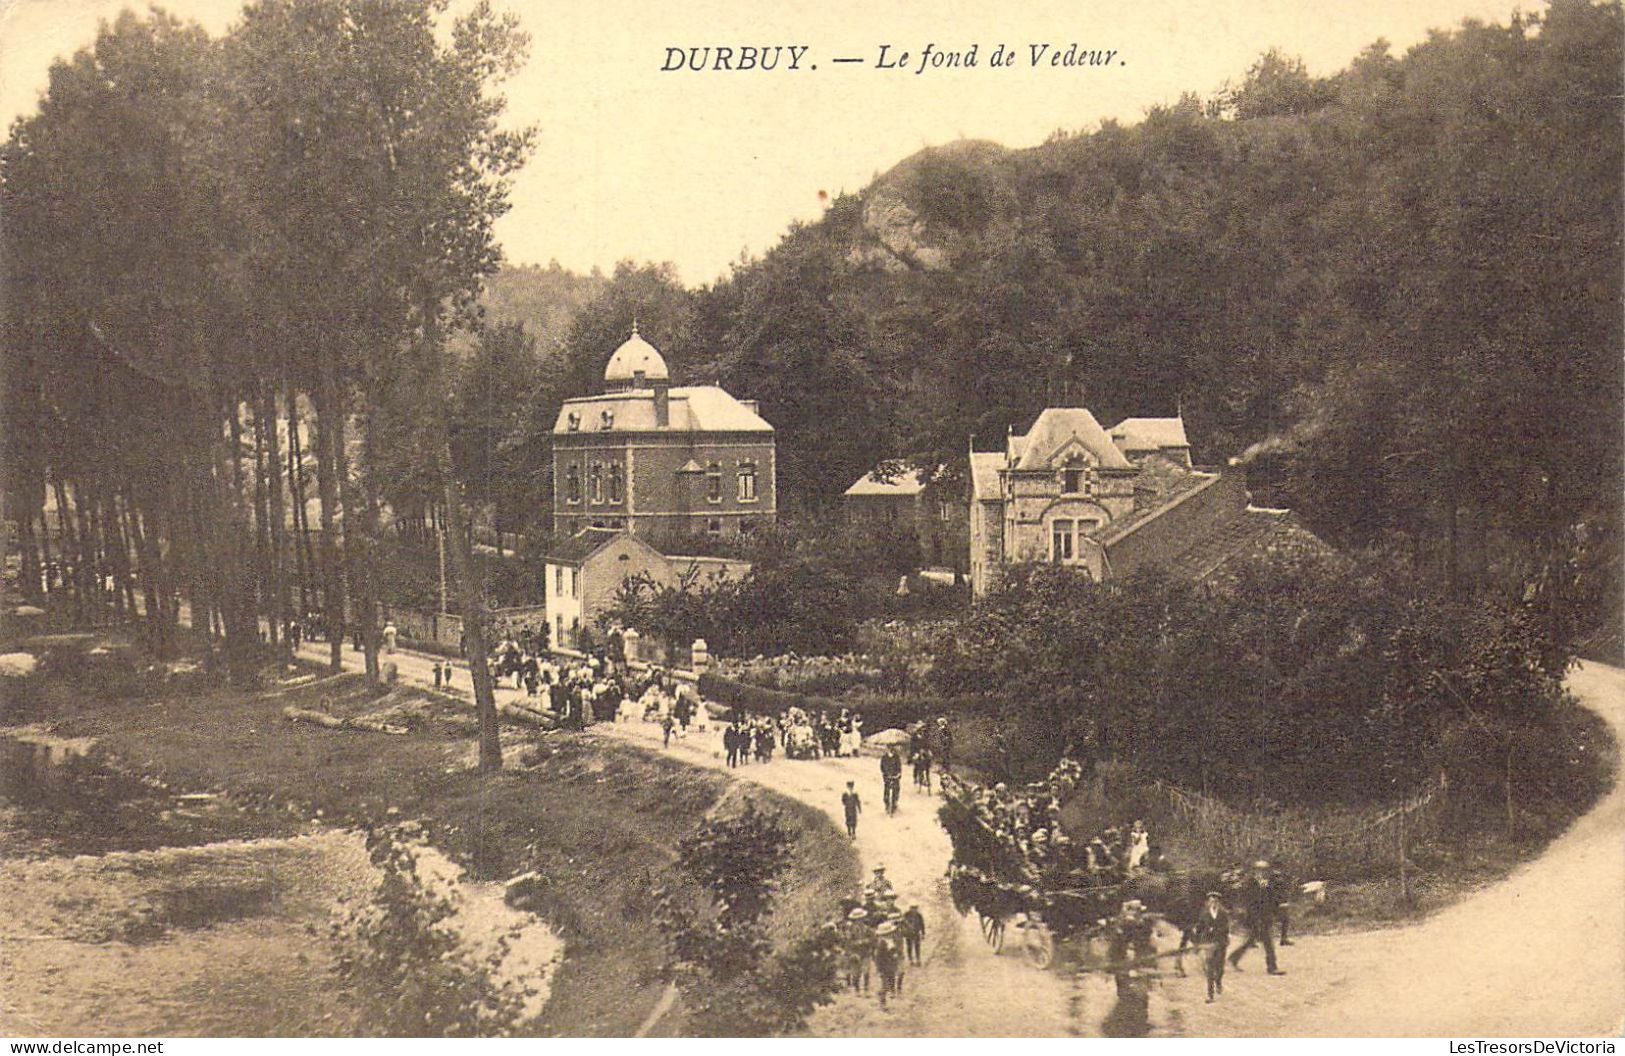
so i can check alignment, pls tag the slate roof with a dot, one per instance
(984, 474)
(905, 482)
(1256, 533)
(575, 549)
(692, 408)
(1058, 425)
(1156, 491)
(1150, 434)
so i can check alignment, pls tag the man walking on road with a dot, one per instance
(912, 928)
(852, 806)
(891, 778)
(1258, 909)
(1212, 928)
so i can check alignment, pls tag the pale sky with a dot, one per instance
(696, 168)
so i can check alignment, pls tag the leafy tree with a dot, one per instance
(403, 956)
(733, 983)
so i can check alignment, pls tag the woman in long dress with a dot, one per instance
(852, 739)
(1139, 845)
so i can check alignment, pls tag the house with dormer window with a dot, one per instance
(1108, 501)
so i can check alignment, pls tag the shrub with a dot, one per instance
(733, 983)
(407, 964)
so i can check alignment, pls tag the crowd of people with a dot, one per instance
(596, 688)
(1027, 822)
(877, 940)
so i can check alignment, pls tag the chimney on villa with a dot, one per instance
(662, 389)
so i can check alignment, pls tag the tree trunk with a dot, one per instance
(89, 584)
(329, 439)
(69, 545)
(461, 553)
(31, 560)
(157, 604)
(227, 518)
(121, 520)
(304, 560)
(274, 510)
(262, 514)
(358, 551)
(44, 547)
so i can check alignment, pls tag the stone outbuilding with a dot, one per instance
(583, 572)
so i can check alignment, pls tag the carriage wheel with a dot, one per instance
(993, 932)
(1039, 944)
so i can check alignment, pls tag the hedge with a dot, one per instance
(879, 713)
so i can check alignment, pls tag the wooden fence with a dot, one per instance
(1327, 842)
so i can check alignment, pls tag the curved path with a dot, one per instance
(962, 989)
(1541, 953)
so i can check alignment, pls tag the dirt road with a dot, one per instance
(1539, 954)
(962, 989)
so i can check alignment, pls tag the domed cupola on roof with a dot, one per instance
(634, 364)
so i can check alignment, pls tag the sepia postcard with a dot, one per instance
(859, 521)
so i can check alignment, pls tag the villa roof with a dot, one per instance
(1150, 434)
(1055, 428)
(577, 549)
(984, 474)
(901, 482)
(692, 408)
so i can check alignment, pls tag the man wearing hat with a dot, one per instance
(851, 805)
(912, 927)
(879, 889)
(887, 961)
(857, 940)
(891, 779)
(1212, 928)
(1258, 909)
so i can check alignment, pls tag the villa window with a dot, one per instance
(1072, 481)
(558, 580)
(607, 420)
(747, 482)
(714, 526)
(1061, 540)
(572, 485)
(616, 482)
(597, 478)
(572, 421)
(713, 483)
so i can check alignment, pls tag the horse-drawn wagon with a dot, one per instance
(1014, 867)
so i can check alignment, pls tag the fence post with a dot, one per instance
(1404, 865)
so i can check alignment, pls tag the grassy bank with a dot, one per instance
(599, 821)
